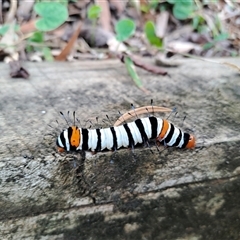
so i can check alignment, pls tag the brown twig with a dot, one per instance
(146, 66)
(65, 52)
(12, 11)
(137, 111)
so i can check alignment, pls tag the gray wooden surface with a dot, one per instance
(177, 194)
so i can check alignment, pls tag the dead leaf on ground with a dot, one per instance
(9, 40)
(116, 47)
(162, 60)
(28, 26)
(17, 71)
(66, 51)
(12, 11)
(161, 24)
(96, 36)
(183, 47)
(105, 15)
(24, 10)
(139, 62)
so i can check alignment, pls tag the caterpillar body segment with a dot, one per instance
(126, 135)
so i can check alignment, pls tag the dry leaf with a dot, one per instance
(17, 71)
(28, 26)
(162, 23)
(105, 15)
(66, 51)
(12, 11)
(115, 46)
(24, 9)
(183, 47)
(9, 40)
(162, 60)
(146, 66)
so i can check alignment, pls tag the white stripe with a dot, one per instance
(81, 140)
(174, 136)
(147, 127)
(65, 133)
(159, 126)
(122, 137)
(135, 132)
(60, 142)
(182, 140)
(92, 139)
(108, 142)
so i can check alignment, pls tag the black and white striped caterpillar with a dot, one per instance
(125, 135)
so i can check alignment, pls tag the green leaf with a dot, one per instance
(149, 30)
(94, 12)
(132, 71)
(182, 11)
(144, 8)
(171, 1)
(29, 48)
(37, 37)
(153, 4)
(221, 37)
(124, 29)
(186, 2)
(208, 45)
(5, 28)
(195, 22)
(53, 15)
(47, 54)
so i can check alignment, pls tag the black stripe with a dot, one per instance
(141, 130)
(84, 139)
(70, 130)
(154, 124)
(170, 134)
(178, 139)
(130, 137)
(114, 147)
(69, 133)
(99, 141)
(186, 137)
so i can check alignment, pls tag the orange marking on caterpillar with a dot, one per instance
(75, 137)
(164, 130)
(191, 142)
(60, 149)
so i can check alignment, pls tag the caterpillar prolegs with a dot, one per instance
(125, 135)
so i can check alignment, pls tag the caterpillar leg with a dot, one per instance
(134, 156)
(83, 154)
(113, 156)
(148, 146)
(158, 144)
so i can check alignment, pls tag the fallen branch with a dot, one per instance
(146, 66)
(142, 110)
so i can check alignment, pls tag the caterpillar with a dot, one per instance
(125, 135)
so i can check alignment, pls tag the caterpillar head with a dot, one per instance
(191, 142)
(69, 139)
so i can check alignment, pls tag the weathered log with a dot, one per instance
(174, 194)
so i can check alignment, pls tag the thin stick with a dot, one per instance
(141, 110)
